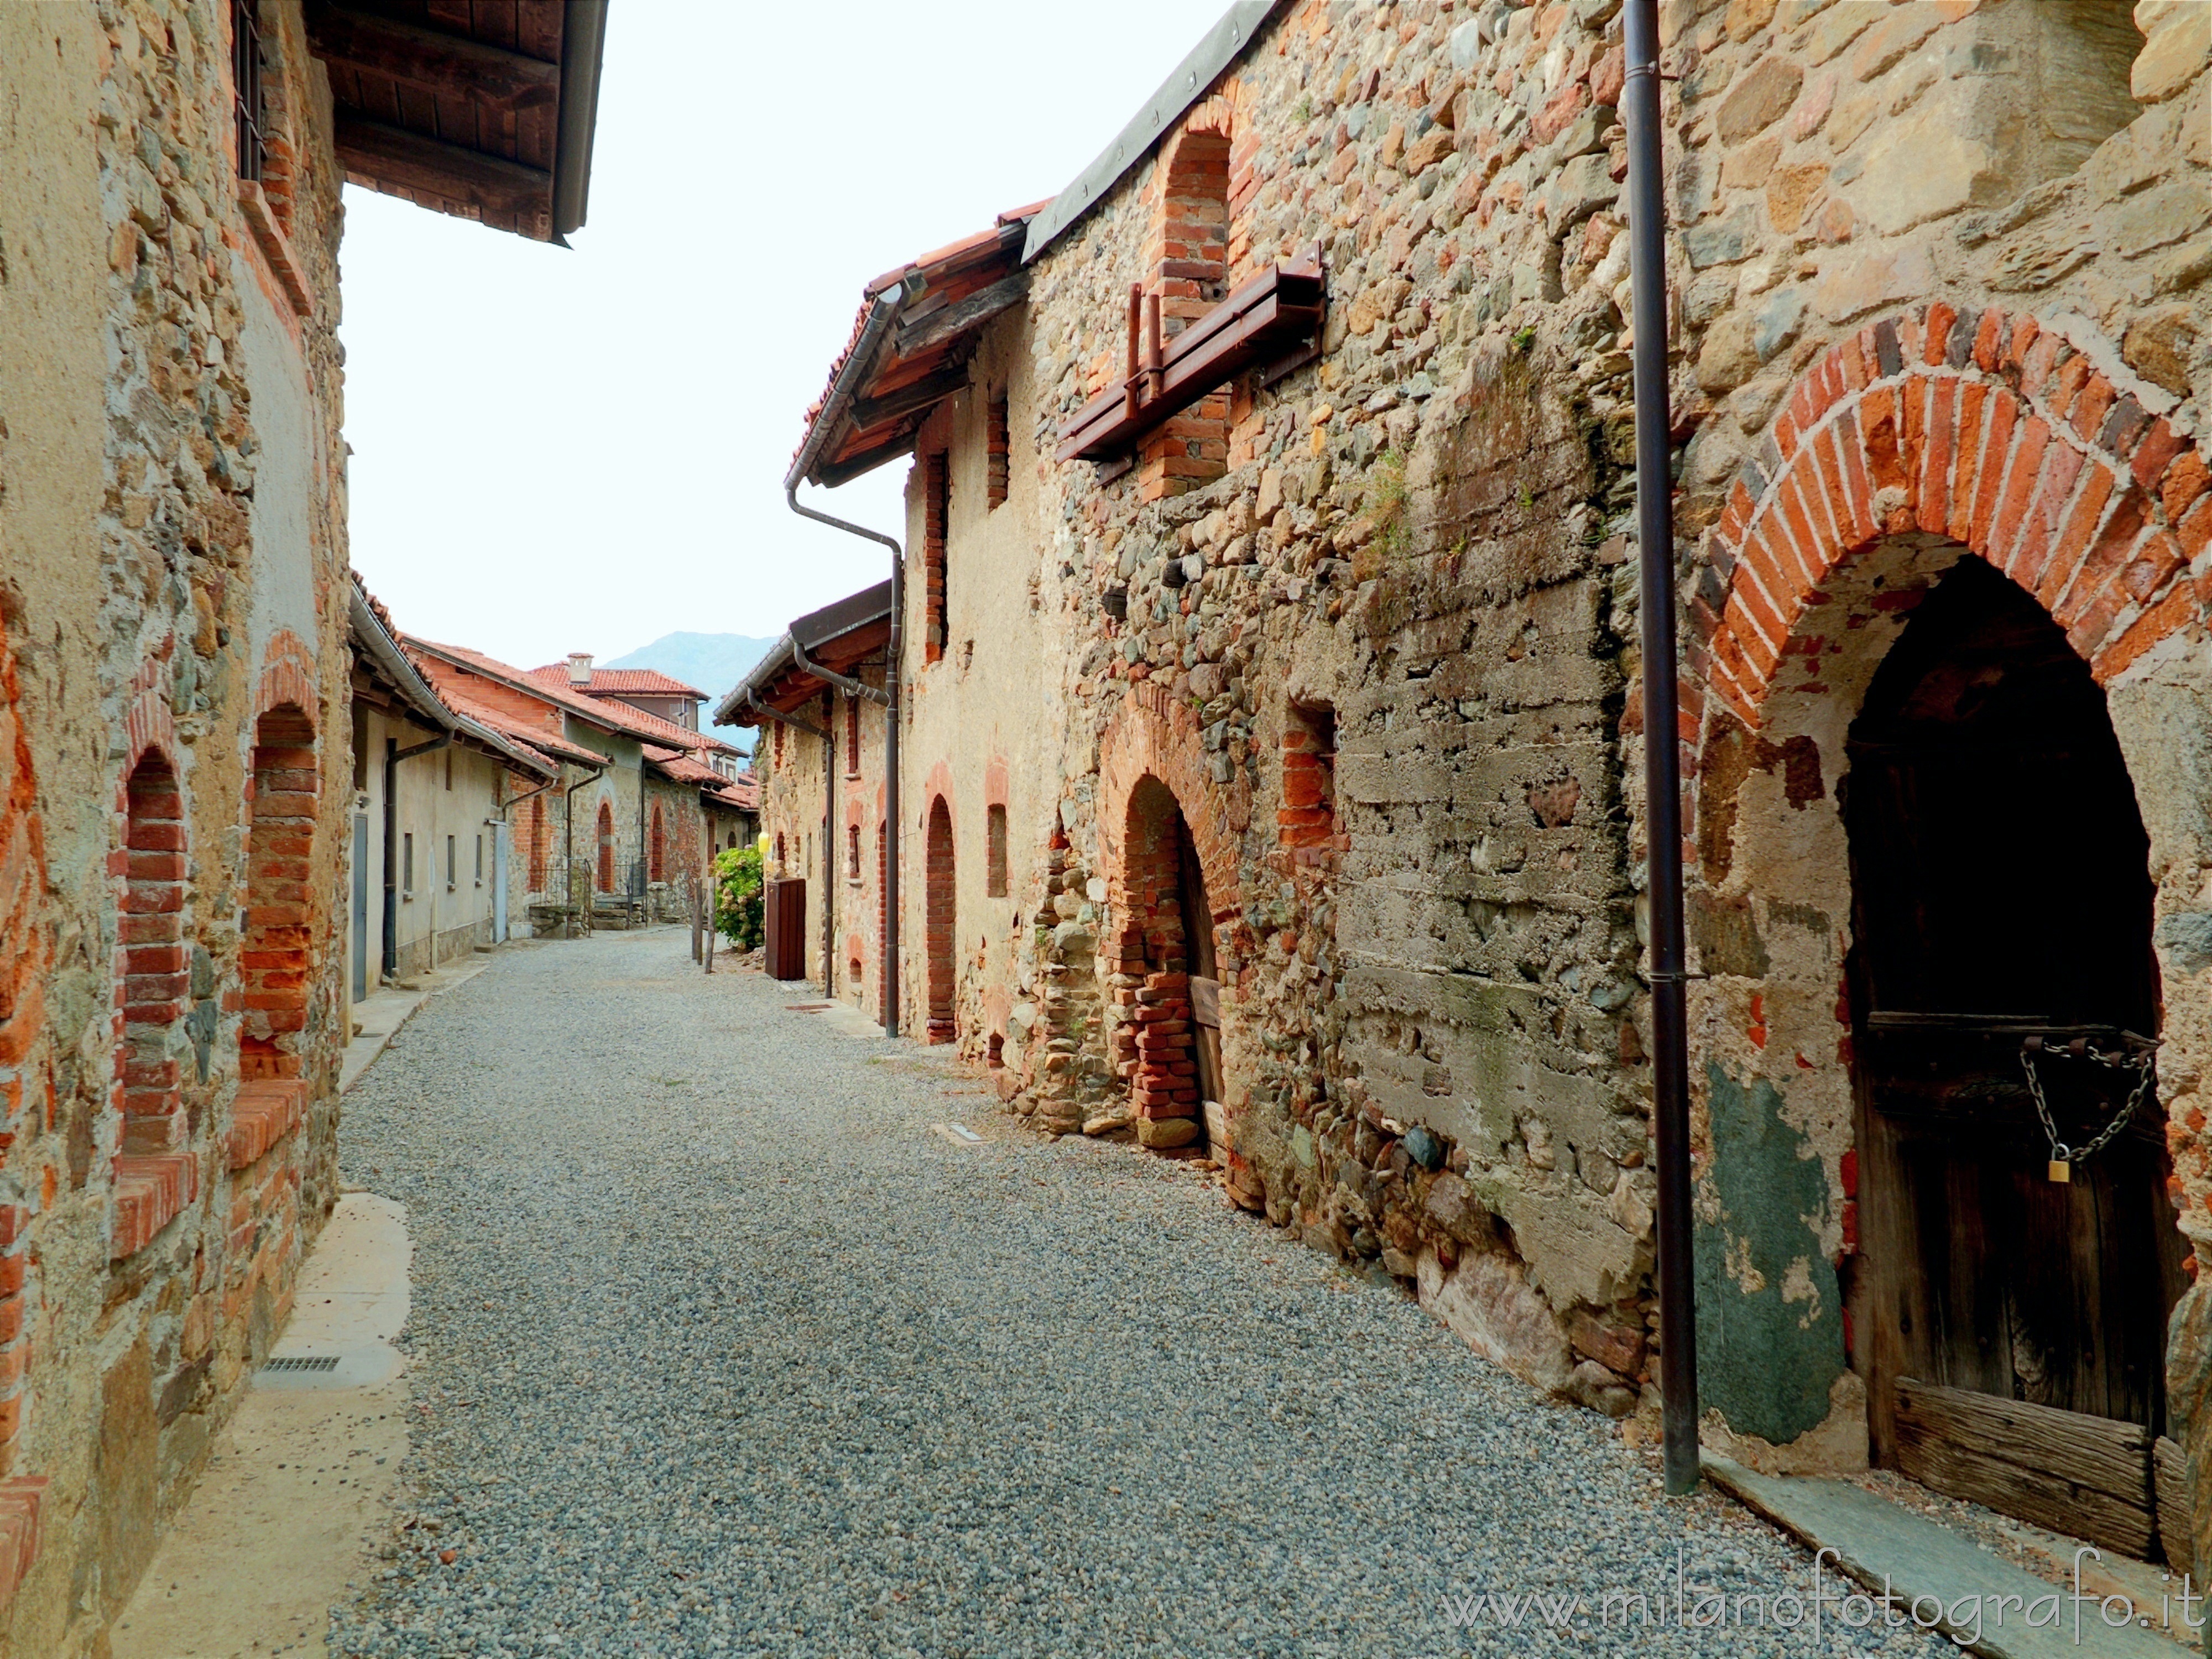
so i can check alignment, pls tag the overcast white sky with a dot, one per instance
(582, 451)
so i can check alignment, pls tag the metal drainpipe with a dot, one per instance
(1662, 781)
(891, 699)
(829, 838)
(568, 839)
(393, 754)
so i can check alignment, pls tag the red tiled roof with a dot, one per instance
(546, 745)
(620, 682)
(615, 716)
(967, 265)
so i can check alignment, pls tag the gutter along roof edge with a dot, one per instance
(422, 697)
(1191, 79)
(806, 633)
(577, 132)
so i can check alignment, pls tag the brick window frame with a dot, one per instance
(604, 866)
(994, 850)
(657, 847)
(536, 844)
(276, 961)
(998, 449)
(941, 910)
(936, 524)
(852, 737)
(1307, 816)
(155, 979)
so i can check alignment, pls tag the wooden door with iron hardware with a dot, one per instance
(2011, 1291)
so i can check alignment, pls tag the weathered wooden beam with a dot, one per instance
(448, 64)
(2089, 1476)
(874, 411)
(978, 307)
(490, 184)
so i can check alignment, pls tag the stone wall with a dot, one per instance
(1939, 287)
(172, 609)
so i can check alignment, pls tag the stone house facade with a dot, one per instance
(175, 741)
(819, 757)
(1332, 790)
(629, 819)
(431, 866)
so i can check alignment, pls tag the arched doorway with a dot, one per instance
(2000, 892)
(1170, 1047)
(1934, 697)
(277, 964)
(606, 862)
(940, 908)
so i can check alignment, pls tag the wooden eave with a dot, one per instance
(1269, 318)
(841, 654)
(460, 105)
(945, 300)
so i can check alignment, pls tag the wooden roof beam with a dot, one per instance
(394, 156)
(446, 64)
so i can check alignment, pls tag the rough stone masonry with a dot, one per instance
(1365, 626)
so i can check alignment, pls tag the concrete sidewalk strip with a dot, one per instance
(1888, 1548)
(283, 1524)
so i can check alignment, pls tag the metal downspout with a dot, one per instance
(890, 704)
(568, 838)
(1662, 781)
(393, 754)
(829, 839)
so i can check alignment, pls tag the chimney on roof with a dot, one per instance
(580, 668)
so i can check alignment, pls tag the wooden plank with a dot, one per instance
(2089, 1451)
(2075, 1511)
(411, 162)
(931, 388)
(2083, 1476)
(446, 64)
(2176, 1523)
(976, 309)
(1205, 1001)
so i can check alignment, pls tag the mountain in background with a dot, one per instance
(711, 662)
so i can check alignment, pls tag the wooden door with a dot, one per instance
(1197, 919)
(2000, 891)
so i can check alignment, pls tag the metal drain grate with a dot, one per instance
(319, 1361)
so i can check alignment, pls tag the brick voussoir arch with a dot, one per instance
(1154, 734)
(1989, 428)
(287, 675)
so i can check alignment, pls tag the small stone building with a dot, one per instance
(817, 697)
(620, 836)
(176, 742)
(1270, 556)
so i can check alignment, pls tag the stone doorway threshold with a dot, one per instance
(284, 1521)
(1886, 1546)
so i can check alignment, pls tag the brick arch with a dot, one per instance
(1155, 734)
(941, 913)
(1991, 429)
(288, 677)
(278, 963)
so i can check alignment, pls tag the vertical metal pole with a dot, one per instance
(1662, 781)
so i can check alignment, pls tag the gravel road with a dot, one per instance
(716, 1348)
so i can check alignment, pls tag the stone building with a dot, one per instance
(817, 697)
(623, 831)
(430, 867)
(175, 742)
(1308, 650)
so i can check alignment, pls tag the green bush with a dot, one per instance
(738, 915)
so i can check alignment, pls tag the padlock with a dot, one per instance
(2061, 1169)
